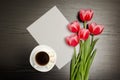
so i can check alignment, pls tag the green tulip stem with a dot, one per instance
(92, 39)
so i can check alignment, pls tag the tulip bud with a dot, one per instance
(95, 29)
(86, 15)
(83, 34)
(74, 26)
(72, 40)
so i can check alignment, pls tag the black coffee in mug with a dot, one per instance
(42, 58)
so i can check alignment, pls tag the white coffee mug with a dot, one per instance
(43, 58)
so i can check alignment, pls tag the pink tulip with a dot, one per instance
(86, 15)
(72, 40)
(74, 26)
(95, 29)
(83, 34)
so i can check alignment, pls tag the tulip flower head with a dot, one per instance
(86, 15)
(74, 26)
(83, 34)
(72, 40)
(95, 29)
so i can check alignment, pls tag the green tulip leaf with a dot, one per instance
(76, 71)
(93, 43)
(91, 48)
(86, 48)
(89, 62)
(78, 76)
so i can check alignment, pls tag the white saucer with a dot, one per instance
(49, 65)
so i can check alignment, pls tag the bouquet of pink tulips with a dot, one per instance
(81, 62)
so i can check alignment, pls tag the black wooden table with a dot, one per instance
(16, 43)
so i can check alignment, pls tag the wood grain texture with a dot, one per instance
(16, 43)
